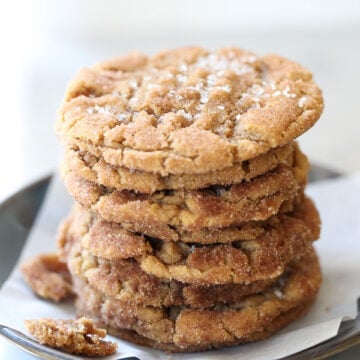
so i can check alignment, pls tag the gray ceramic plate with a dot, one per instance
(17, 215)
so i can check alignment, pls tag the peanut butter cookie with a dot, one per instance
(97, 170)
(288, 235)
(79, 337)
(187, 329)
(217, 206)
(48, 276)
(188, 111)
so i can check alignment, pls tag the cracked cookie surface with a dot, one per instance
(188, 111)
(186, 329)
(212, 207)
(242, 261)
(79, 337)
(97, 170)
(48, 276)
(125, 281)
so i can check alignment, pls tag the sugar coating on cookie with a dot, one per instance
(188, 329)
(96, 169)
(80, 337)
(48, 277)
(211, 207)
(188, 111)
(241, 261)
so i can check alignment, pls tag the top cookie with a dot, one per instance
(188, 111)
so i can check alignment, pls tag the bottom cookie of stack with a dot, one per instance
(185, 329)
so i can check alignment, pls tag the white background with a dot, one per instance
(44, 43)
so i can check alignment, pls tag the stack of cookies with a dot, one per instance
(191, 229)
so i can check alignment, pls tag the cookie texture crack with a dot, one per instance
(159, 117)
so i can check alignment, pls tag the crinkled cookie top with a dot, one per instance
(188, 111)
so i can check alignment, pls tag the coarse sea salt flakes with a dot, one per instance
(220, 64)
(204, 95)
(181, 78)
(226, 88)
(122, 117)
(171, 93)
(106, 110)
(183, 68)
(185, 114)
(257, 90)
(286, 92)
(221, 107)
(302, 101)
(133, 100)
(211, 79)
(250, 59)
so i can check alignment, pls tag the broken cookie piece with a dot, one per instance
(79, 337)
(48, 277)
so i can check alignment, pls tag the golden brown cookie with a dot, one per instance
(247, 231)
(217, 206)
(188, 111)
(242, 261)
(277, 324)
(78, 337)
(126, 281)
(96, 170)
(48, 277)
(186, 329)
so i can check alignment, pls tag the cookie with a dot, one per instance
(187, 329)
(211, 207)
(250, 230)
(188, 111)
(290, 234)
(126, 281)
(96, 169)
(48, 277)
(79, 337)
(277, 324)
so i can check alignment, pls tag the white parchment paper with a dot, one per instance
(339, 248)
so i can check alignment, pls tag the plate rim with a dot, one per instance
(42, 181)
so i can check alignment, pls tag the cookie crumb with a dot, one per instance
(79, 337)
(48, 277)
